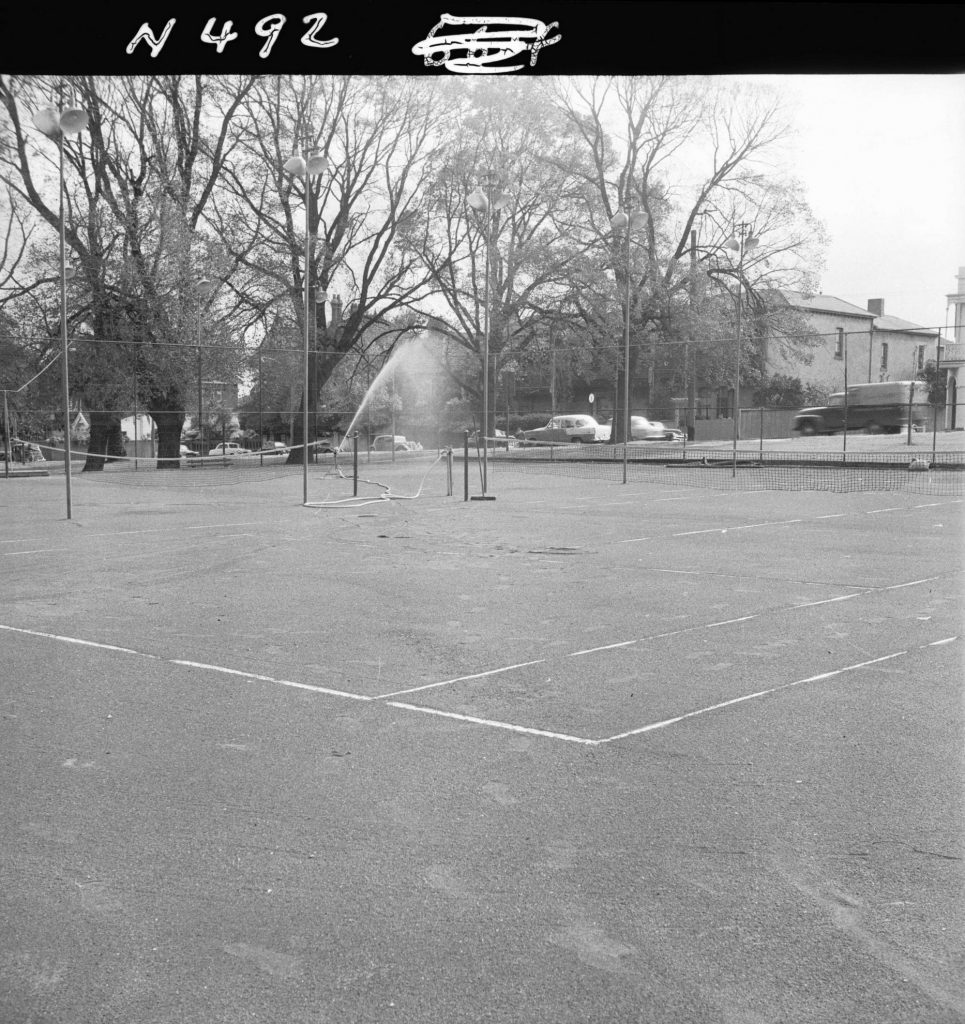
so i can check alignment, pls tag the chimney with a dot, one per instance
(876, 306)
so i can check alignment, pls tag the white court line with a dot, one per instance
(458, 679)
(267, 679)
(746, 697)
(36, 551)
(913, 583)
(493, 724)
(661, 636)
(75, 640)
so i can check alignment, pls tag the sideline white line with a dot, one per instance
(266, 679)
(495, 724)
(35, 551)
(82, 643)
(748, 696)
(459, 679)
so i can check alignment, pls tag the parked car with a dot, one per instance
(642, 429)
(187, 453)
(228, 448)
(394, 442)
(498, 439)
(576, 428)
(877, 407)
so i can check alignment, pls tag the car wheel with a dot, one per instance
(808, 428)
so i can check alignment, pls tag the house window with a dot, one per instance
(839, 346)
(921, 357)
(884, 355)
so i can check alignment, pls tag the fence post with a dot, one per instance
(6, 437)
(449, 472)
(355, 464)
(465, 465)
(762, 434)
(911, 401)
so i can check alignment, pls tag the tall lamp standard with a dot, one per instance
(56, 124)
(306, 169)
(742, 244)
(486, 203)
(629, 223)
(204, 288)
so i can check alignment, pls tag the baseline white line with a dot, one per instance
(458, 679)
(495, 724)
(748, 696)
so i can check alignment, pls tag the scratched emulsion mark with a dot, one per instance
(477, 51)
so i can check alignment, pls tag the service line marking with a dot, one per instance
(458, 679)
(491, 723)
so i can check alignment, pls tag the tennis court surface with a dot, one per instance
(591, 751)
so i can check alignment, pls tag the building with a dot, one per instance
(867, 345)
(953, 360)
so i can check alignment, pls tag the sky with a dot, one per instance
(882, 159)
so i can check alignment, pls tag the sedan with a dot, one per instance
(580, 429)
(642, 429)
(228, 448)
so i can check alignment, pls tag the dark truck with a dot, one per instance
(878, 408)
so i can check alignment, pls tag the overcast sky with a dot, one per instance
(883, 162)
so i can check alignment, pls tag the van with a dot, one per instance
(877, 408)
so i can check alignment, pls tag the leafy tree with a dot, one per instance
(137, 183)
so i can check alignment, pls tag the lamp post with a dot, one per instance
(742, 244)
(204, 288)
(56, 124)
(306, 168)
(629, 223)
(487, 204)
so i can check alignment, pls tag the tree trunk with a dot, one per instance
(105, 440)
(296, 456)
(169, 424)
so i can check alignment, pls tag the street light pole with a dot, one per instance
(204, 288)
(486, 203)
(744, 244)
(306, 168)
(630, 223)
(56, 124)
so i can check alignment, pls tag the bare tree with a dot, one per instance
(380, 136)
(693, 155)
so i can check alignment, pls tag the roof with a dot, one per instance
(824, 304)
(895, 323)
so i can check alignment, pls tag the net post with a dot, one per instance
(465, 465)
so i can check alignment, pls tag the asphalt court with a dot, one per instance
(549, 612)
